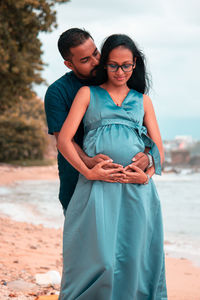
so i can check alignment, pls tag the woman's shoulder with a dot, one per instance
(88, 89)
(83, 92)
(83, 96)
(146, 99)
(84, 89)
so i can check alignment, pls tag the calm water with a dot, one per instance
(36, 202)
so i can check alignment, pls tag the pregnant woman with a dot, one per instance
(113, 233)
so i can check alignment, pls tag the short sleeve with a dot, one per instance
(56, 109)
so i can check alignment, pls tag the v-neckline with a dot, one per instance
(112, 98)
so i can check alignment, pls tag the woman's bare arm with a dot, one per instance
(65, 138)
(65, 143)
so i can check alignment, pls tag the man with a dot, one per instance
(81, 55)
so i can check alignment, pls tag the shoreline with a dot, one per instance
(28, 249)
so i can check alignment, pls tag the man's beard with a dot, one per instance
(90, 77)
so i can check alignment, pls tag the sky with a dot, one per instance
(168, 33)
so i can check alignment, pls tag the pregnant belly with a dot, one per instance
(119, 142)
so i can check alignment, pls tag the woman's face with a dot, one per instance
(119, 56)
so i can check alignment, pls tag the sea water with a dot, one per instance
(37, 202)
(180, 200)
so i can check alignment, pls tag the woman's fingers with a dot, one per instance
(110, 174)
(112, 177)
(117, 176)
(113, 171)
(108, 171)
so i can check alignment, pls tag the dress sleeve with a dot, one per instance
(56, 109)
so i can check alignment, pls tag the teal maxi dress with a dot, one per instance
(113, 232)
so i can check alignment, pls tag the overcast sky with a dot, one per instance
(168, 32)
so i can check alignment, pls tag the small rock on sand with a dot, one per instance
(21, 285)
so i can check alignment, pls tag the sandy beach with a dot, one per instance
(27, 250)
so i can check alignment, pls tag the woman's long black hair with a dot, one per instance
(139, 79)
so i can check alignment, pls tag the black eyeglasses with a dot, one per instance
(115, 67)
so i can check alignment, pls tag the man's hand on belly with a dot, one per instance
(93, 161)
(140, 160)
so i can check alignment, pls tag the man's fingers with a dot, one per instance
(98, 159)
(109, 163)
(137, 156)
(103, 156)
(112, 166)
(104, 162)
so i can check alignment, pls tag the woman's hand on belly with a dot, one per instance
(134, 175)
(106, 170)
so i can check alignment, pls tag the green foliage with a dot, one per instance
(23, 131)
(21, 21)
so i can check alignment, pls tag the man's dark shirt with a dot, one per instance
(58, 100)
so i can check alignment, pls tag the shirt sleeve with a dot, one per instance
(56, 109)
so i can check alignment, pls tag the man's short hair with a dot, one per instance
(71, 38)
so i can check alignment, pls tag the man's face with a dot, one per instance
(84, 58)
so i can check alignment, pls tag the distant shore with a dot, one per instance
(28, 249)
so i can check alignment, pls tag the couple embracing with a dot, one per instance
(109, 148)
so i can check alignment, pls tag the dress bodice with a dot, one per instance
(102, 107)
(102, 112)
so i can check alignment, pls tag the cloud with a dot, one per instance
(187, 11)
(88, 10)
(167, 31)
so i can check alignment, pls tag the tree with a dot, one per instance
(20, 49)
(23, 131)
(22, 134)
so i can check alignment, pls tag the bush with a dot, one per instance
(23, 131)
